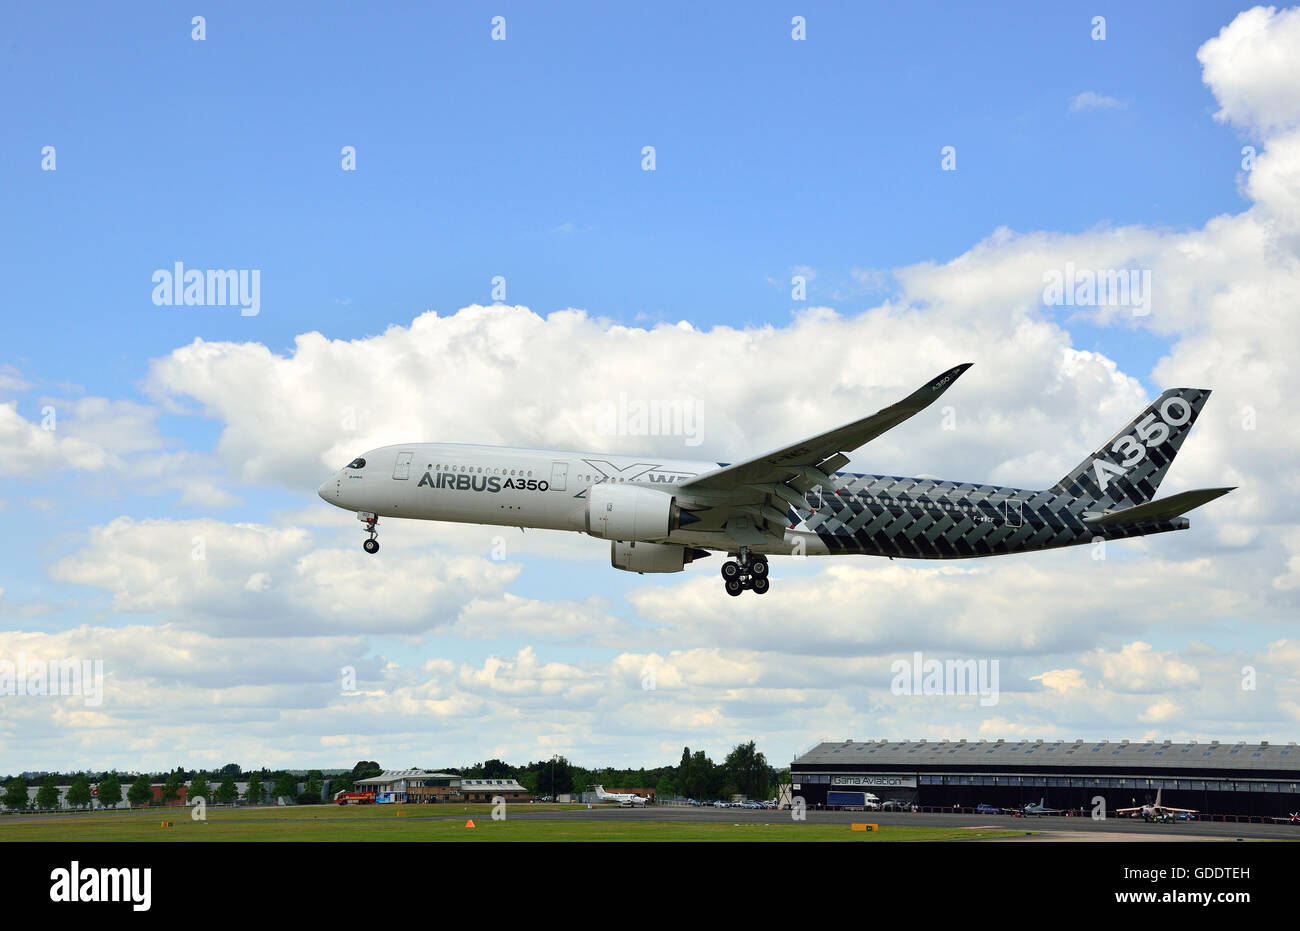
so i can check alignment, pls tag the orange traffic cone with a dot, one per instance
(469, 823)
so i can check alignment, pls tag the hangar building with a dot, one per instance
(1214, 778)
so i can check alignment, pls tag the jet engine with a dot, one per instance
(652, 557)
(632, 512)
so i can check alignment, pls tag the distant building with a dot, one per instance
(485, 790)
(1214, 777)
(412, 786)
(420, 787)
(95, 805)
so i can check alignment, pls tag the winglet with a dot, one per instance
(941, 383)
(924, 396)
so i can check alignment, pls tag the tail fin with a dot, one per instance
(1129, 467)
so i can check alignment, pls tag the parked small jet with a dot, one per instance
(1156, 811)
(1031, 808)
(625, 799)
(659, 514)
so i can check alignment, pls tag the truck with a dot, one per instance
(863, 800)
(354, 798)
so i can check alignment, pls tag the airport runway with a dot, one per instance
(1127, 829)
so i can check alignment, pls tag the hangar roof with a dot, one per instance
(923, 754)
(491, 785)
(397, 775)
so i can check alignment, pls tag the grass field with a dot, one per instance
(440, 823)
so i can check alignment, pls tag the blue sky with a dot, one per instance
(523, 159)
(478, 158)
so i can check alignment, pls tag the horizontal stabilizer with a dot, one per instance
(1160, 509)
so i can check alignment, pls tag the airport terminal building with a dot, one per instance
(1215, 778)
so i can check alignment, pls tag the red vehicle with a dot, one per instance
(354, 798)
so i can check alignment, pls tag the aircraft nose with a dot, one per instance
(325, 488)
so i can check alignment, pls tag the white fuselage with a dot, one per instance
(512, 487)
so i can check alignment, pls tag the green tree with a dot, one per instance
(141, 791)
(47, 796)
(172, 787)
(311, 791)
(498, 769)
(227, 792)
(365, 769)
(199, 788)
(79, 791)
(16, 795)
(255, 791)
(665, 788)
(703, 780)
(230, 769)
(110, 791)
(555, 777)
(286, 786)
(747, 770)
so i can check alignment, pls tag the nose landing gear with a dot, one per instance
(749, 571)
(371, 521)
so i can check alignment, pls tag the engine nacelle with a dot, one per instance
(652, 557)
(630, 512)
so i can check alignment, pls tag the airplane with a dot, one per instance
(1032, 808)
(1155, 811)
(624, 799)
(1293, 818)
(662, 514)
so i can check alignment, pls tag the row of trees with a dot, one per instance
(745, 771)
(216, 788)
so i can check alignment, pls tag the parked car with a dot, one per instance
(982, 809)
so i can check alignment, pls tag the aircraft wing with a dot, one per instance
(788, 472)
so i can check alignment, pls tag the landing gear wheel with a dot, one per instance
(735, 587)
(371, 546)
(760, 585)
(758, 567)
(730, 569)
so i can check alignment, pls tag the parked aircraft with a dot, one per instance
(1156, 811)
(625, 799)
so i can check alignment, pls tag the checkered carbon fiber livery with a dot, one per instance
(1103, 478)
(915, 518)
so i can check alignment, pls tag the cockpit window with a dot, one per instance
(357, 463)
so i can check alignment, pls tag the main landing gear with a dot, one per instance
(749, 571)
(371, 521)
